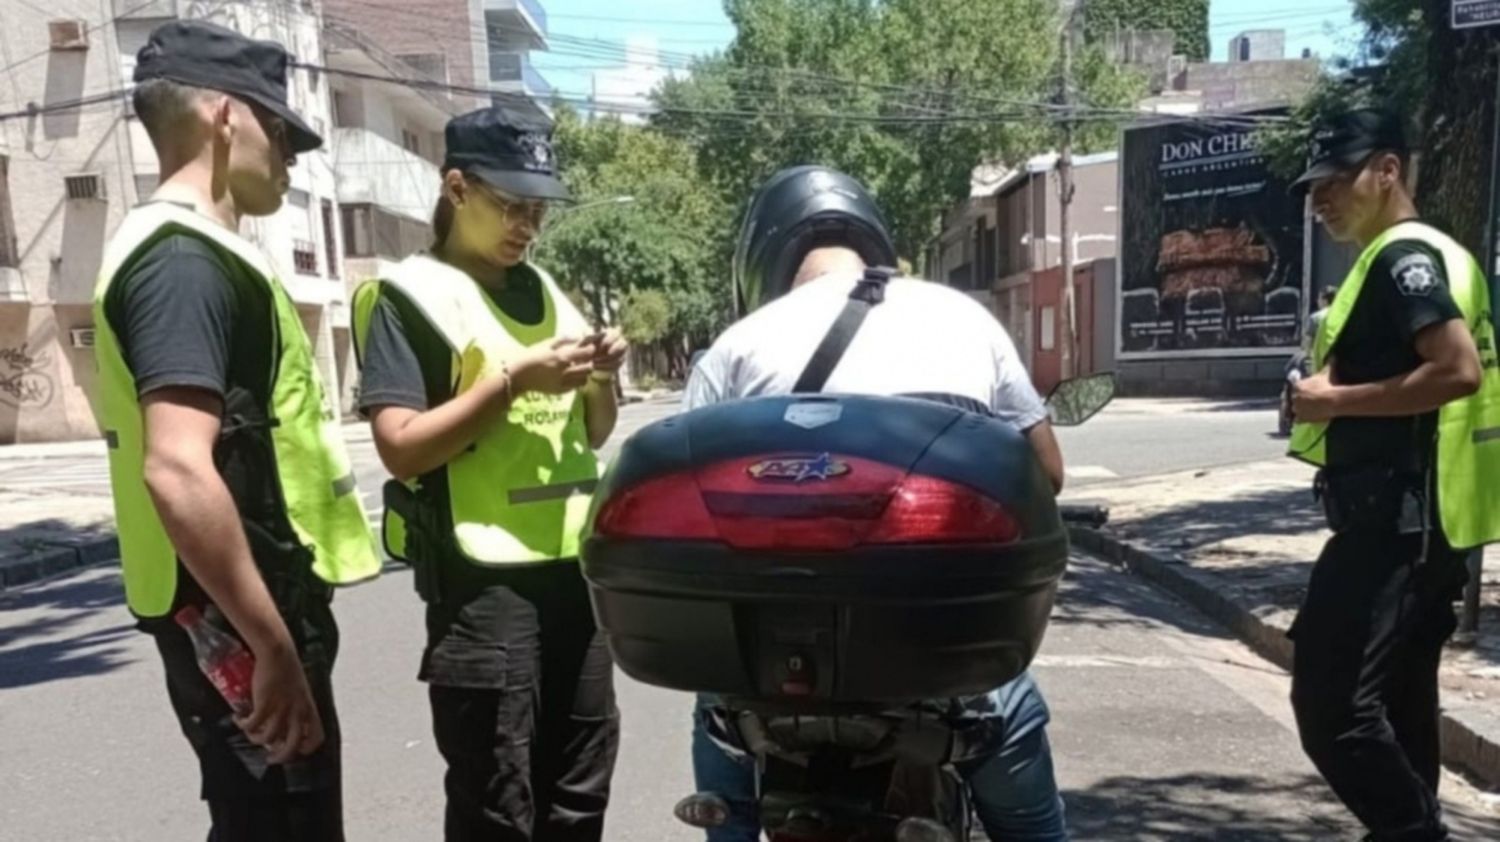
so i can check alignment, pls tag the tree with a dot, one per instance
(1187, 18)
(646, 316)
(1411, 60)
(671, 239)
(908, 96)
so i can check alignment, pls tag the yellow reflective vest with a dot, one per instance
(521, 493)
(322, 510)
(1468, 445)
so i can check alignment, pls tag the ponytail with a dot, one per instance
(442, 221)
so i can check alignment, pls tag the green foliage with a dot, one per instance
(1286, 144)
(1188, 18)
(906, 95)
(942, 85)
(645, 316)
(672, 239)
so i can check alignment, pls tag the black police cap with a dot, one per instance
(1348, 140)
(206, 55)
(506, 152)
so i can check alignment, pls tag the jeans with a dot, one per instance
(1013, 787)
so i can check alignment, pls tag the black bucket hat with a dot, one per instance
(1348, 140)
(206, 55)
(506, 153)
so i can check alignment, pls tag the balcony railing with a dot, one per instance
(516, 67)
(527, 8)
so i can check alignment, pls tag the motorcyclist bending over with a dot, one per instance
(807, 240)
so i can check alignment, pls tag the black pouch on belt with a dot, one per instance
(1374, 499)
(424, 548)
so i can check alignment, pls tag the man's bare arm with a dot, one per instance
(1044, 441)
(1450, 370)
(195, 507)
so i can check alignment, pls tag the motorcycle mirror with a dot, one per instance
(1081, 398)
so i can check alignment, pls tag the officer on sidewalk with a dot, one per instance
(232, 489)
(1403, 417)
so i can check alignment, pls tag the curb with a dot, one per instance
(54, 562)
(1470, 738)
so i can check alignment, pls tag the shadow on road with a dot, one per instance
(38, 639)
(1224, 808)
(37, 537)
(1276, 512)
(1130, 603)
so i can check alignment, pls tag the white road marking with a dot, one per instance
(1091, 472)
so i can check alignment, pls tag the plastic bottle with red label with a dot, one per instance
(226, 662)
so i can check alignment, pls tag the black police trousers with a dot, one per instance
(248, 801)
(1369, 639)
(523, 708)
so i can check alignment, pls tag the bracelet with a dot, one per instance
(508, 393)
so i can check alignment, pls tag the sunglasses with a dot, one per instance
(274, 127)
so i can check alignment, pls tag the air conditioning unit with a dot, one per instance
(68, 34)
(85, 186)
(83, 337)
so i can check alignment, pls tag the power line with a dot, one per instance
(661, 21)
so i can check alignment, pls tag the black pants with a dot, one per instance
(523, 709)
(1369, 640)
(248, 801)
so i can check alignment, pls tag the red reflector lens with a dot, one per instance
(933, 511)
(862, 503)
(798, 502)
(665, 507)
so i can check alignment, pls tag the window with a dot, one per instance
(1049, 328)
(305, 257)
(330, 242)
(8, 252)
(345, 109)
(410, 141)
(357, 240)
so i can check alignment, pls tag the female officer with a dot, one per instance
(488, 393)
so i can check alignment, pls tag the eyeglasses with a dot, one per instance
(532, 211)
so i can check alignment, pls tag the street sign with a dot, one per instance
(1472, 14)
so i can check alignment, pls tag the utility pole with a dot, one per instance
(1065, 190)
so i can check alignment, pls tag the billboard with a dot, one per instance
(1211, 243)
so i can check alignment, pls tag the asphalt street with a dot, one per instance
(1164, 728)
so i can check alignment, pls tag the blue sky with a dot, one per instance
(683, 27)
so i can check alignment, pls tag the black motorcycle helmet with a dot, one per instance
(797, 210)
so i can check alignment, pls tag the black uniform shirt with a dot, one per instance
(1405, 292)
(405, 362)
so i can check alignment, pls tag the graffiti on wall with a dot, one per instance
(23, 383)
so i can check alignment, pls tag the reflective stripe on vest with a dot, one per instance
(314, 471)
(1468, 446)
(521, 493)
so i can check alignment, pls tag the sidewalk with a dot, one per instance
(40, 538)
(1238, 543)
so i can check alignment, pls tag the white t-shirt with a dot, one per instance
(925, 338)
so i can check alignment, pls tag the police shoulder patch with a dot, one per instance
(1415, 274)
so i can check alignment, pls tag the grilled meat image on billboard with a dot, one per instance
(1211, 255)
